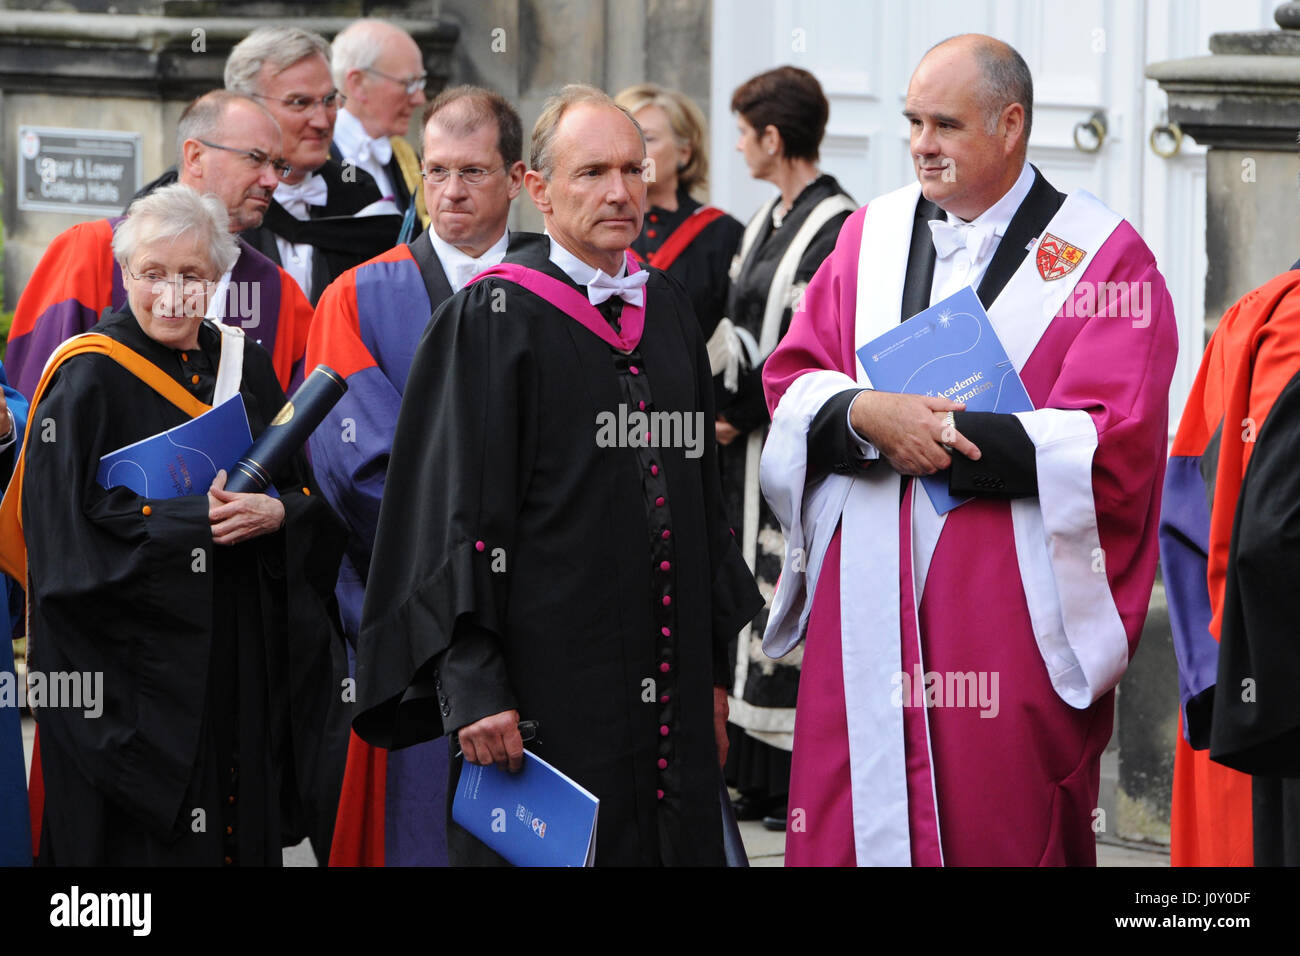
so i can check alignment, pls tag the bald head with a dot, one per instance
(1004, 76)
(969, 126)
(374, 63)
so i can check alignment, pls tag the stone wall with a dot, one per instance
(76, 65)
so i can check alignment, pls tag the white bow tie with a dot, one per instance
(630, 288)
(949, 237)
(466, 269)
(380, 149)
(312, 191)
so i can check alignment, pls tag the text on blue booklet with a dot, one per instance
(949, 350)
(536, 817)
(182, 460)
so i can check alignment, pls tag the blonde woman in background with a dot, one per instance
(693, 243)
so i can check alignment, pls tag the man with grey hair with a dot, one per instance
(324, 218)
(536, 560)
(380, 70)
(228, 145)
(992, 635)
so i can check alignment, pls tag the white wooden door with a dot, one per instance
(1087, 58)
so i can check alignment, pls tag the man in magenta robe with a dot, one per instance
(958, 670)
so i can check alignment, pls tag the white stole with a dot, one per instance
(230, 368)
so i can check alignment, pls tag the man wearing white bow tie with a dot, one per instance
(381, 71)
(552, 546)
(323, 220)
(958, 668)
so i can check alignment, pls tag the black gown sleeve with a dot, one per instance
(1255, 720)
(461, 453)
(832, 446)
(1007, 467)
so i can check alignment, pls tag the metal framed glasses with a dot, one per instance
(256, 158)
(191, 285)
(470, 175)
(412, 84)
(302, 104)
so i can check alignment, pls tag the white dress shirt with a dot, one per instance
(460, 268)
(371, 153)
(959, 269)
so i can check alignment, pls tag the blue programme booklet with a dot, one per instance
(536, 817)
(182, 460)
(949, 350)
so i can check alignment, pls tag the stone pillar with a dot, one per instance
(1241, 102)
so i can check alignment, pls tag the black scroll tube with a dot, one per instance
(288, 431)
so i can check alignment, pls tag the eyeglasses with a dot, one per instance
(191, 285)
(412, 84)
(256, 158)
(470, 175)
(302, 104)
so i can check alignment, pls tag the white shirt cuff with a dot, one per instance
(868, 450)
(13, 431)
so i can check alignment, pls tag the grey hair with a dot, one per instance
(170, 213)
(1006, 80)
(540, 153)
(277, 47)
(356, 48)
(203, 118)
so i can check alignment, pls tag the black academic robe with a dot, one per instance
(520, 564)
(702, 267)
(212, 657)
(747, 409)
(1255, 725)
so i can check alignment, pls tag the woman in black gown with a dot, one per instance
(692, 242)
(781, 116)
(180, 604)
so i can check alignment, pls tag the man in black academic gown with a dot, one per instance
(537, 557)
(326, 217)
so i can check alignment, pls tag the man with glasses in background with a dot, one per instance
(381, 71)
(366, 327)
(325, 218)
(227, 145)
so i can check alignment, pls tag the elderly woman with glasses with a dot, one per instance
(169, 614)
